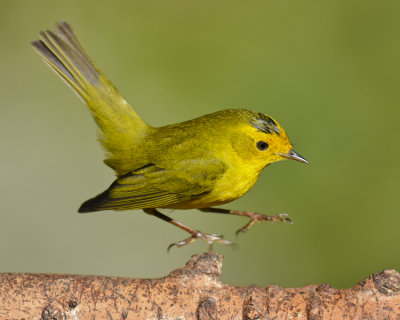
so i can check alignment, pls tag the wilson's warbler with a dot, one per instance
(195, 164)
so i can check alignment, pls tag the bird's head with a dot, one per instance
(264, 141)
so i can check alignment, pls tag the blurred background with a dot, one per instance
(329, 72)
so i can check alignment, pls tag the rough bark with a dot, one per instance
(191, 292)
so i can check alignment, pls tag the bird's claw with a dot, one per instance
(282, 217)
(258, 217)
(210, 238)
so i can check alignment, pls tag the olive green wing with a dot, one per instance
(153, 186)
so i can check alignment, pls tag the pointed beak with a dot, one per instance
(293, 155)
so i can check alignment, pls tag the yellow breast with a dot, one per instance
(235, 182)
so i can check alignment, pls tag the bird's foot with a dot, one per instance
(210, 238)
(258, 217)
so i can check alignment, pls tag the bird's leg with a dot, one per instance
(253, 216)
(195, 234)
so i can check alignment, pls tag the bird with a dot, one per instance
(196, 164)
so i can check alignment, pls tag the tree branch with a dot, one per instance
(191, 292)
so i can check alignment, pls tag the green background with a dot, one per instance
(328, 71)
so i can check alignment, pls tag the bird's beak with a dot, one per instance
(293, 155)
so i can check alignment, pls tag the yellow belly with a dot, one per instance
(231, 186)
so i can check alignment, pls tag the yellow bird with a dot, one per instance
(196, 164)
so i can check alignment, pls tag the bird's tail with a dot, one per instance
(118, 122)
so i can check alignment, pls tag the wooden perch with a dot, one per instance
(191, 292)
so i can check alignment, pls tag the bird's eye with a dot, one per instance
(262, 145)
